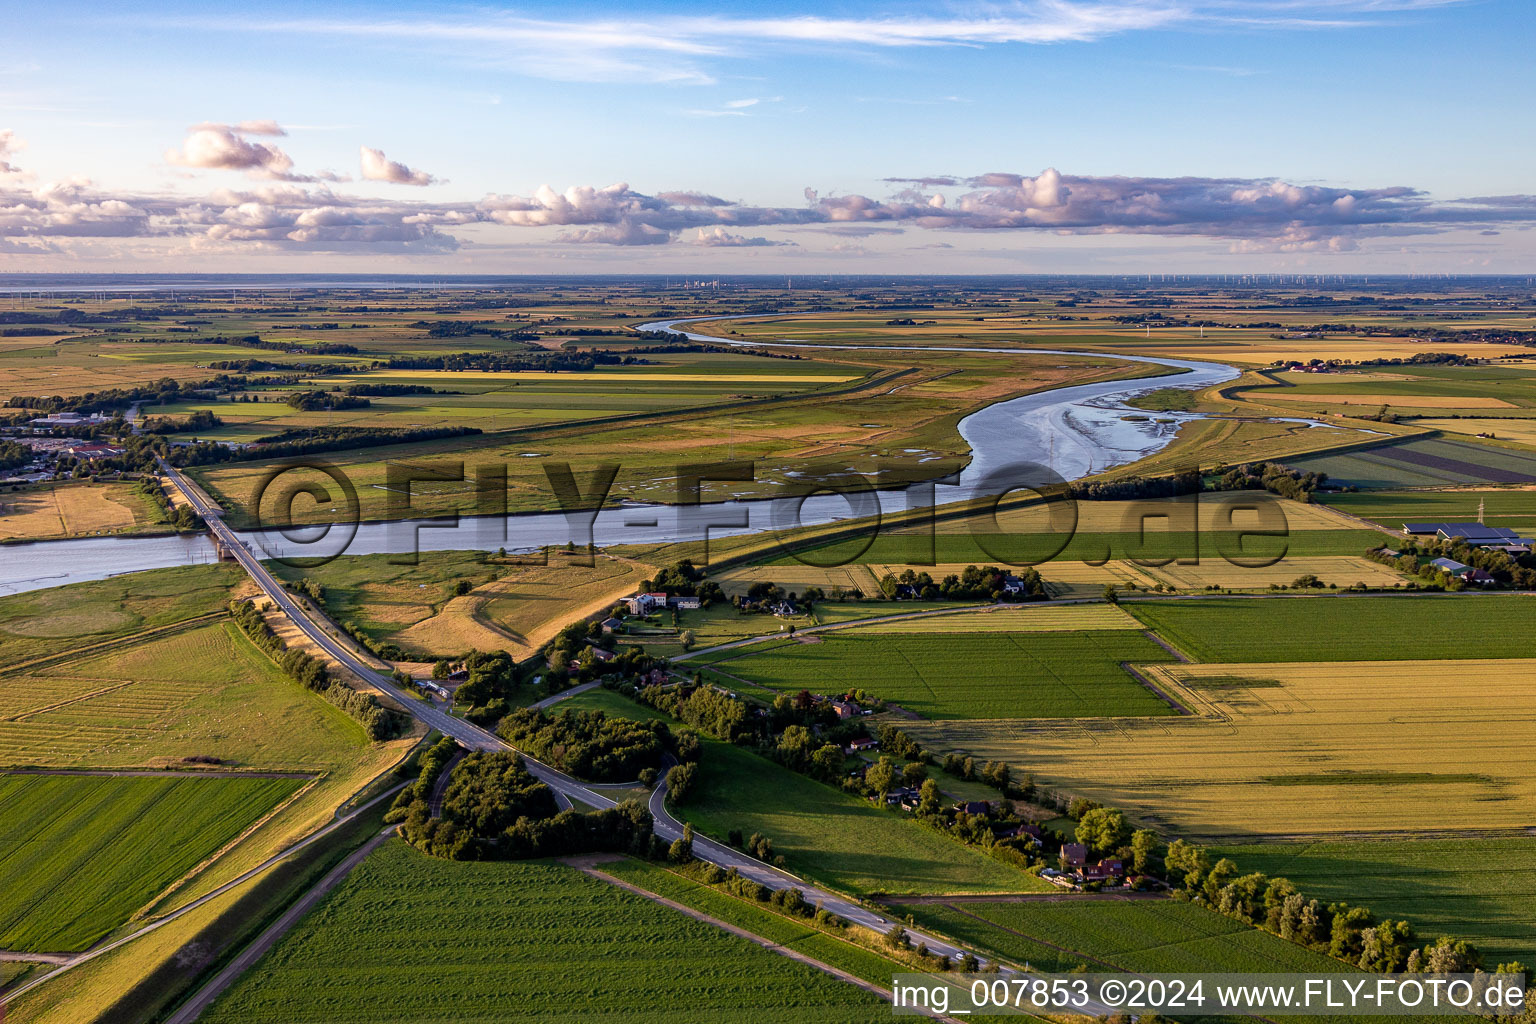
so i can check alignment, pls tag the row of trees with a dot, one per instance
(971, 584)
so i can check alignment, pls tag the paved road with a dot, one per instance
(566, 788)
(193, 1008)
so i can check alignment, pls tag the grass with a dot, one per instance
(795, 934)
(1342, 628)
(81, 853)
(1317, 749)
(1479, 889)
(41, 623)
(1506, 507)
(507, 942)
(834, 837)
(55, 511)
(1145, 936)
(950, 675)
(1425, 462)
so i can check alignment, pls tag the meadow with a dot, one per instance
(412, 939)
(954, 675)
(1478, 888)
(43, 623)
(833, 837)
(514, 603)
(1342, 628)
(55, 511)
(1322, 749)
(81, 853)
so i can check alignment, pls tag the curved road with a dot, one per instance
(473, 737)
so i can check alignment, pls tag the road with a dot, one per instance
(566, 788)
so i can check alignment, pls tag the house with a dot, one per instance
(684, 603)
(895, 797)
(611, 625)
(911, 800)
(863, 743)
(845, 708)
(1103, 871)
(1073, 855)
(784, 608)
(1475, 534)
(642, 604)
(92, 450)
(600, 655)
(973, 807)
(1031, 833)
(1449, 565)
(458, 675)
(1012, 584)
(906, 592)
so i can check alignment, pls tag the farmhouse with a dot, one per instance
(1073, 855)
(1103, 871)
(1461, 571)
(684, 603)
(1013, 585)
(1475, 534)
(93, 450)
(863, 743)
(973, 807)
(642, 604)
(845, 708)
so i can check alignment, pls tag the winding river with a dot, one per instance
(1076, 431)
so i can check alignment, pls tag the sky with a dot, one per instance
(1031, 136)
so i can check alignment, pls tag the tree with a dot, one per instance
(827, 762)
(914, 773)
(1110, 594)
(1143, 846)
(930, 800)
(880, 776)
(1102, 829)
(440, 670)
(896, 937)
(686, 639)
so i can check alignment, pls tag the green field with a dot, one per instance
(798, 935)
(1130, 935)
(1424, 462)
(1513, 508)
(1342, 628)
(834, 837)
(81, 853)
(410, 939)
(1478, 889)
(41, 623)
(969, 675)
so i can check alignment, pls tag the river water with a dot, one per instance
(1076, 431)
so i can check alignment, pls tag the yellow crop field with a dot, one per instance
(1370, 399)
(1084, 579)
(525, 609)
(796, 577)
(1520, 430)
(1342, 571)
(1029, 618)
(1295, 749)
(625, 377)
(72, 510)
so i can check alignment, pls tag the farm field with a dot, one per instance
(1424, 462)
(953, 675)
(1338, 571)
(834, 837)
(797, 935)
(1341, 628)
(519, 941)
(512, 606)
(1044, 551)
(1144, 936)
(1026, 618)
(1314, 749)
(1477, 888)
(81, 853)
(1503, 428)
(1515, 508)
(718, 624)
(793, 441)
(1206, 512)
(200, 691)
(52, 511)
(42, 623)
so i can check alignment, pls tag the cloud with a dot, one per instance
(680, 48)
(377, 168)
(9, 145)
(718, 237)
(225, 147)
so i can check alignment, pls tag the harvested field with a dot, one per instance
(795, 576)
(1522, 431)
(1029, 618)
(74, 510)
(1375, 400)
(1217, 572)
(1295, 749)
